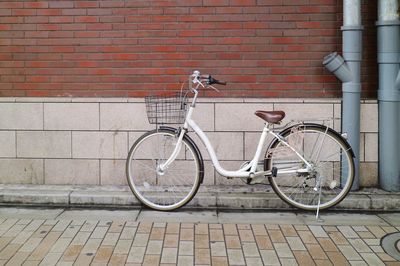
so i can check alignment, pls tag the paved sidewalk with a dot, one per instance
(192, 237)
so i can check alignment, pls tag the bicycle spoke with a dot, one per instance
(298, 189)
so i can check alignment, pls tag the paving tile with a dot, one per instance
(307, 237)
(201, 241)
(30, 244)
(303, 258)
(263, 242)
(250, 250)
(80, 238)
(254, 261)
(157, 233)
(136, 255)
(9, 251)
(17, 259)
(42, 231)
(60, 245)
(154, 247)
(337, 258)
(365, 234)
(128, 233)
(359, 245)
(372, 241)
(377, 249)
(327, 244)
(349, 252)
(110, 239)
(116, 227)
(91, 245)
(347, 231)
(50, 259)
(259, 230)
(84, 259)
(123, 246)
(103, 254)
(295, 243)
(61, 225)
(218, 249)
(14, 230)
(169, 255)
(360, 228)
(216, 235)
(144, 227)
(323, 263)
(372, 259)
(246, 236)
(288, 230)
(43, 248)
(117, 259)
(171, 240)
(283, 250)
(288, 262)
(186, 234)
(358, 263)
(318, 231)
(377, 231)
(201, 229)
(385, 257)
(34, 225)
(185, 260)
(219, 261)
(151, 260)
(70, 231)
(173, 228)
(235, 257)
(338, 238)
(71, 253)
(186, 248)
(230, 229)
(233, 242)
(316, 252)
(140, 240)
(276, 236)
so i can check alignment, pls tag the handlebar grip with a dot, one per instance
(220, 82)
(211, 80)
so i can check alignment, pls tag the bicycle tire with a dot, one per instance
(335, 170)
(168, 190)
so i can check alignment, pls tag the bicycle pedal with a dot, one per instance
(274, 171)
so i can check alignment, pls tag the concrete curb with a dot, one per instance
(240, 197)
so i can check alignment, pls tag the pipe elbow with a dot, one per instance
(335, 64)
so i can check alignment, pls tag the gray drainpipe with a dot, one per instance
(388, 26)
(348, 70)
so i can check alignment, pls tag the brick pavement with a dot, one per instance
(58, 241)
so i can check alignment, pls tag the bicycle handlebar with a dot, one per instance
(204, 81)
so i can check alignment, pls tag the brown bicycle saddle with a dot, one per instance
(273, 117)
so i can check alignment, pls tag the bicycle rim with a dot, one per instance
(333, 168)
(167, 190)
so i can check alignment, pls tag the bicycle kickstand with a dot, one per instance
(317, 217)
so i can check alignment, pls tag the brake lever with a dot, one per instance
(212, 87)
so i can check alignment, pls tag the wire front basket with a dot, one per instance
(166, 109)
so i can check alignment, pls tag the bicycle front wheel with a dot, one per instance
(171, 188)
(330, 176)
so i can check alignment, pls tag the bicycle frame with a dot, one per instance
(247, 171)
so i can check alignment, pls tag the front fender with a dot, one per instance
(196, 149)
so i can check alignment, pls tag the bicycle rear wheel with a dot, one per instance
(332, 173)
(163, 190)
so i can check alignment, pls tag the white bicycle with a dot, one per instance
(310, 166)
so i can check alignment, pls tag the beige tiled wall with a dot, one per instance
(86, 140)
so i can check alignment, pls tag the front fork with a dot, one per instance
(164, 166)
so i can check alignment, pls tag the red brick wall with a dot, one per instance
(266, 48)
